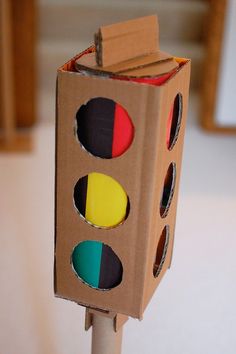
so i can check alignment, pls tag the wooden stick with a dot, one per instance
(104, 338)
(7, 85)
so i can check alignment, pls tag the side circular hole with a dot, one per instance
(104, 128)
(101, 200)
(97, 265)
(174, 121)
(162, 248)
(168, 190)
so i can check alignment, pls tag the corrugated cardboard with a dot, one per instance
(118, 319)
(152, 64)
(126, 40)
(141, 171)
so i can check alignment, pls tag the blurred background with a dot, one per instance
(193, 311)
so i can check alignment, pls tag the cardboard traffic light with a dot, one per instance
(119, 141)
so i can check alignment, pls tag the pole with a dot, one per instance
(104, 338)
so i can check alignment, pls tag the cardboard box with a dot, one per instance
(143, 242)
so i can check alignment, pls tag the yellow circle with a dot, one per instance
(106, 201)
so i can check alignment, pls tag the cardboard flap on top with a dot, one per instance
(130, 48)
(126, 40)
(152, 64)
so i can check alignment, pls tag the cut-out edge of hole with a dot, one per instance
(104, 227)
(174, 139)
(157, 268)
(75, 131)
(172, 189)
(98, 226)
(82, 280)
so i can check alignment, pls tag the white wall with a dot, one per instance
(225, 104)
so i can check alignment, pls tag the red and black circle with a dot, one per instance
(104, 128)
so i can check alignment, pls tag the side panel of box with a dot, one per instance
(179, 84)
(134, 170)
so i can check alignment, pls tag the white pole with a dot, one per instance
(104, 338)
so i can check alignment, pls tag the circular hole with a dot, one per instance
(101, 200)
(174, 121)
(161, 251)
(168, 190)
(104, 128)
(97, 265)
